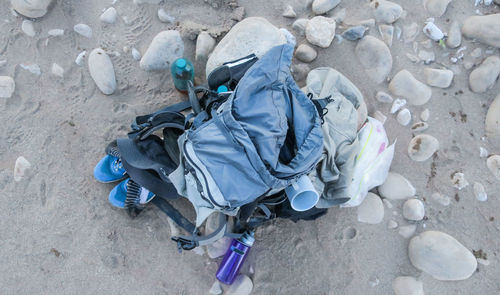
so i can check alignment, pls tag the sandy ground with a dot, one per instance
(59, 235)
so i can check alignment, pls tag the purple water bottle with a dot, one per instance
(234, 258)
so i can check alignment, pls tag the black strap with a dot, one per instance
(175, 215)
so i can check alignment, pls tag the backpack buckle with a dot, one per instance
(184, 244)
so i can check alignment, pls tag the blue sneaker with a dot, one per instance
(109, 169)
(128, 194)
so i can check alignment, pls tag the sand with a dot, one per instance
(59, 235)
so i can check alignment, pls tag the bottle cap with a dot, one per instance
(222, 88)
(248, 238)
(180, 63)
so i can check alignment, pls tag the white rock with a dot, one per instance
(492, 123)
(386, 11)
(396, 187)
(424, 116)
(300, 26)
(422, 147)
(320, 31)
(164, 17)
(136, 54)
(404, 117)
(242, 286)
(28, 28)
(387, 33)
(441, 256)
(371, 211)
(483, 28)
(397, 105)
(454, 35)
(102, 71)
(441, 199)
(485, 76)
(109, 15)
(83, 30)
(166, 47)
(7, 86)
(251, 35)
(323, 6)
(433, 32)
(56, 32)
(410, 32)
(404, 84)
(204, 46)
(384, 97)
(216, 288)
(413, 209)
(34, 69)
(407, 286)
(406, 231)
(305, 53)
(375, 57)
(57, 70)
(32, 8)
(436, 7)
(379, 116)
(483, 153)
(438, 78)
(459, 181)
(419, 127)
(80, 57)
(480, 192)
(289, 12)
(426, 56)
(493, 164)
(392, 224)
(20, 168)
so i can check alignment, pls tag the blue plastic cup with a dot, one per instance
(301, 194)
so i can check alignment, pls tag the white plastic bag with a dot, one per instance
(372, 163)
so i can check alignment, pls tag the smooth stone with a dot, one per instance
(454, 35)
(426, 56)
(216, 288)
(375, 57)
(57, 70)
(56, 32)
(441, 199)
(485, 76)
(397, 105)
(164, 17)
(422, 147)
(166, 47)
(242, 285)
(251, 35)
(436, 8)
(433, 32)
(379, 116)
(32, 8)
(102, 71)
(483, 153)
(28, 28)
(300, 26)
(204, 46)
(20, 168)
(458, 180)
(34, 68)
(371, 211)
(441, 256)
(392, 224)
(109, 16)
(300, 71)
(404, 84)
(413, 209)
(493, 164)
(289, 12)
(407, 286)
(386, 11)
(323, 6)
(7, 86)
(83, 30)
(419, 127)
(410, 32)
(387, 33)
(396, 187)
(406, 231)
(424, 116)
(320, 31)
(384, 97)
(305, 53)
(354, 33)
(492, 122)
(80, 57)
(136, 54)
(485, 29)
(438, 78)
(480, 192)
(404, 117)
